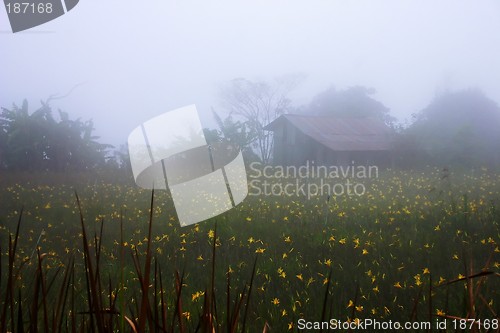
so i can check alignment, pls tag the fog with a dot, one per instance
(131, 61)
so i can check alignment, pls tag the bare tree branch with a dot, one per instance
(259, 103)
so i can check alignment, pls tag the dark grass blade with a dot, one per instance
(163, 304)
(430, 298)
(228, 302)
(247, 305)
(9, 294)
(414, 310)
(472, 276)
(206, 314)
(112, 300)
(213, 305)
(10, 290)
(122, 277)
(35, 304)
(92, 288)
(155, 294)
(236, 311)
(488, 306)
(44, 292)
(131, 323)
(470, 290)
(481, 281)
(73, 318)
(179, 280)
(97, 277)
(325, 299)
(145, 310)
(63, 297)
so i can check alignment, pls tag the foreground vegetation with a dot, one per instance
(416, 246)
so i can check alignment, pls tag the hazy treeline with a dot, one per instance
(457, 128)
(39, 141)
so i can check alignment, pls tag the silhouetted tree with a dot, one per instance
(237, 133)
(353, 102)
(259, 103)
(38, 142)
(459, 127)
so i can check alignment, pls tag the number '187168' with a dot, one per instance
(29, 8)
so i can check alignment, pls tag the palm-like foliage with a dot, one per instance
(38, 142)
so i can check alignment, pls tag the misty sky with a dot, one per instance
(137, 59)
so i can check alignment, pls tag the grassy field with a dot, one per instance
(416, 246)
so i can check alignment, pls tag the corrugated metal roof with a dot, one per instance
(341, 134)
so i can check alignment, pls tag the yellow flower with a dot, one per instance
(211, 233)
(356, 242)
(439, 312)
(260, 250)
(299, 276)
(365, 251)
(350, 304)
(426, 271)
(197, 295)
(275, 301)
(397, 285)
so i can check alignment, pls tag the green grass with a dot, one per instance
(409, 249)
